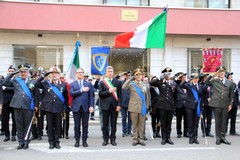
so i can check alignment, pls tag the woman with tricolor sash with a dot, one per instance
(137, 105)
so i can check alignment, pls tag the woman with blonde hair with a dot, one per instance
(137, 104)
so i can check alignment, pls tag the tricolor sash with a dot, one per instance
(109, 85)
(198, 99)
(26, 90)
(142, 96)
(57, 92)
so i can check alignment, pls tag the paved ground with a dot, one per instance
(124, 150)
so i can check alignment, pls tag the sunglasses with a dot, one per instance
(128, 75)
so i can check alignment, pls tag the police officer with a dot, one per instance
(55, 99)
(166, 106)
(22, 102)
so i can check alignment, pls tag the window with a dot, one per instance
(36, 56)
(208, 3)
(195, 60)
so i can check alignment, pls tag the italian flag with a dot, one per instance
(151, 34)
(74, 65)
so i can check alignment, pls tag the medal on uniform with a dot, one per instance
(49, 89)
(61, 90)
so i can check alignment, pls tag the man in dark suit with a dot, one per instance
(55, 99)
(22, 102)
(180, 98)
(166, 105)
(7, 110)
(110, 97)
(82, 93)
(193, 106)
(126, 118)
(221, 101)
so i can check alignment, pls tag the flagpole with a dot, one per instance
(164, 49)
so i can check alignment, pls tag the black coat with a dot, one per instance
(180, 96)
(106, 98)
(191, 102)
(51, 102)
(166, 96)
(125, 96)
(154, 100)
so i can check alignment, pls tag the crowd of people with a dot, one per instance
(29, 97)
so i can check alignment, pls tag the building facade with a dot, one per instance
(43, 32)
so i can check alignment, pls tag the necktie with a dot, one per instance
(80, 84)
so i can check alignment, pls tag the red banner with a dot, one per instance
(212, 58)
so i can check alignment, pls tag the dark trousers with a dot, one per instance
(65, 125)
(181, 115)
(6, 111)
(126, 121)
(109, 115)
(23, 119)
(54, 121)
(40, 123)
(232, 115)
(192, 120)
(166, 123)
(156, 121)
(221, 116)
(81, 117)
(207, 119)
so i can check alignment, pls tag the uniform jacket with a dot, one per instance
(7, 94)
(20, 98)
(106, 98)
(154, 100)
(190, 101)
(180, 96)
(166, 96)
(51, 102)
(135, 102)
(223, 93)
(81, 99)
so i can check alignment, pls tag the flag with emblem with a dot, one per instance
(151, 34)
(74, 65)
(212, 58)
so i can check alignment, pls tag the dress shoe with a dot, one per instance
(134, 143)
(191, 141)
(142, 143)
(85, 144)
(145, 138)
(57, 146)
(163, 142)
(179, 136)
(93, 119)
(154, 135)
(20, 146)
(225, 141)
(67, 137)
(25, 146)
(158, 135)
(204, 134)
(51, 146)
(113, 143)
(234, 134)
(105, 143)
(196, 141)
(13, 139)
(218, 142)
(76, 144)
(209, 135)
(39, 138)
(170, 141)
(6, 139)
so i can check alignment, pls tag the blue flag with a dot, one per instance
(99, 60)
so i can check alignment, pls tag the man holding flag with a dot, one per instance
(110, 101)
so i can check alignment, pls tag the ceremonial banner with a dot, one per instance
(99, 60)
(212, 58)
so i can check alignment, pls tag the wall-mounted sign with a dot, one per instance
(129, 15)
